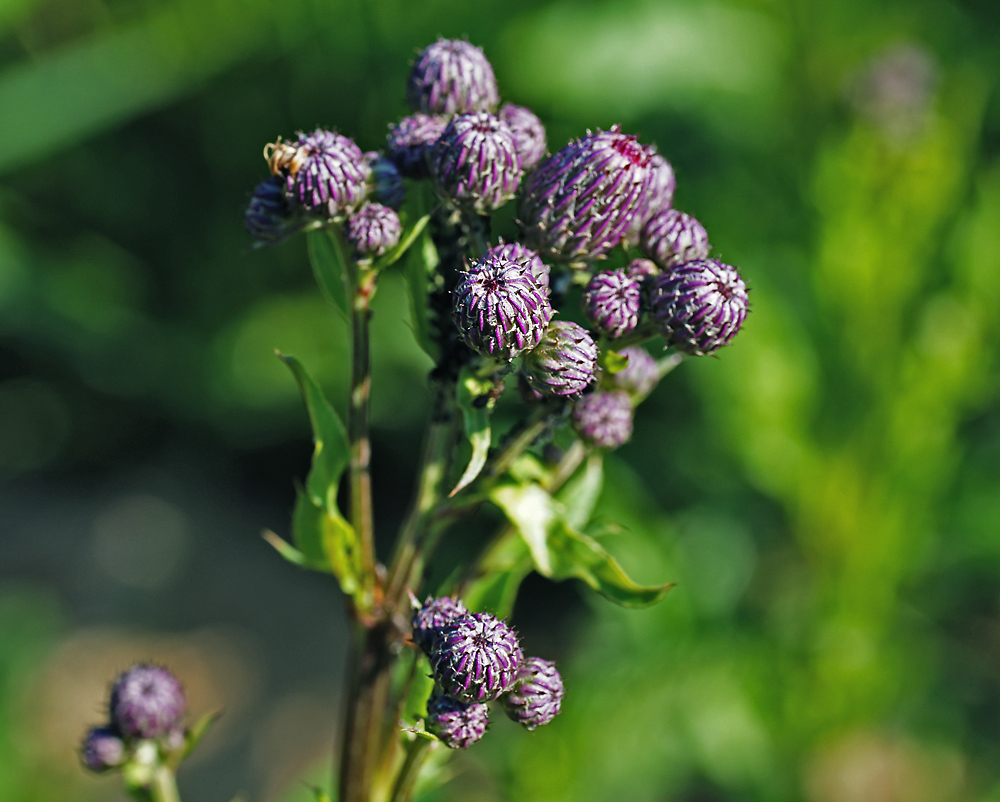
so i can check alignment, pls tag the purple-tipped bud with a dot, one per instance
(643, 269)
(452, 77)
(269, 217)
(475, 163)
(517, 253)
(325, 173)
(640, 375)
(387, 182)
(457, 724)
(432, 616)
(373, 230)
(671, 237)
(476, 658)
(699, 305)
(102, 749)
(604, 419)
(499, 309)
(147, 701)
(660, 195)
(537, 694)
(578, 203)
(612, 301)
(529, 133)
(411, 141)
(564, 363)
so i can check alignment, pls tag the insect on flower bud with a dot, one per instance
(475, 658)
(671, 237)
(457, 724)
(699, 305)
(411, 141)
(612, 301)
(604, 419)
(537, 694)
(529, 133)
(432, 616)
(452, 77)
(102, 749)
(475, 163)
(373, 230)
(564, 363)
(147, 701)
(325, 173)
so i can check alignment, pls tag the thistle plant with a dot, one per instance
(491, 308)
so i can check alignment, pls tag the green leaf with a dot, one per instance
(581, 492)
(418, 269)
(500, 577)
(476, 400)
(328, 542)
(199, 730)
(612, 362)
(533, 512)
(404, 244)
(328, 258)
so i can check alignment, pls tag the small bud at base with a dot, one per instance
(537, 694)
(102, 749)
(457, 724)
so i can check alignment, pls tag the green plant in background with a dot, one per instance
(422, 673)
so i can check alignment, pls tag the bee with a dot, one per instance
(281, 156)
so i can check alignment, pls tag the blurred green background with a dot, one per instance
(826, 492)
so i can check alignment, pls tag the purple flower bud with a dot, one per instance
(432, 616)
(475, 162)
(325, 173)
(476, 658)
(578, 203)
(452, 77)
(612, 301)
(659, 196)
(564, 363)
(643, 269)
(671, 237)
(269, 217)
(499, 309)
(604, 419)
(517, 253)
(411, 142)
(387, 181)
(373, 230)
(699, 305)
(147, 701)
(102, 749)
(457, 724)
(529, 133)
(640, 375)
(537, 694)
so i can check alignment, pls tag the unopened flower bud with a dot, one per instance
(411, 141)
(499, 309)
(102, 749)
(640, 375)
(475, 163)
(432, 616)
(269, 217)
(147, 701)
(325, 173)
(604, 419)
(699, 305)
(386, 181)
(564, 363)
(578, 203)
(643, 269)
(519, 254)
(612, 301)
(529, 133)
(476, 657)
(537, 694)
(457, 724)
(671, 237)
(659, 196)
(452, 77)
(373, 230)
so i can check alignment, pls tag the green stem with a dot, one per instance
(520, 438)
(164, 786)
(669, 362)
(417, 752)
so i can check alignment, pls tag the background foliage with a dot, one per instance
(825, 492)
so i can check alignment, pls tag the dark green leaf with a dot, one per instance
(408, 238)
(199, 730)
(612, 362)
(475, 399)
(328, 258)
(419, 266)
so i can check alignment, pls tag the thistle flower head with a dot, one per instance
(519, 254)
(612, 301)
(578, 203)
(537, 694)
(699, 305)
(325, 173)
(564, 363)
(457, 724)
(671, 237)
(452, 77)
(432, 616)
(475, 658)
(410, 143)
(475, 163)
(147, 701)
(373, 230)
(604, 419)
(102, 749)
(386, 181)
(529, 133)
(269, 217)
(499, 309)
(640, 375)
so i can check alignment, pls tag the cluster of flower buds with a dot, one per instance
(476, 658)
(145, 722)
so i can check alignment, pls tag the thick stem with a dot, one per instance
(164, 786)
(416, 753)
